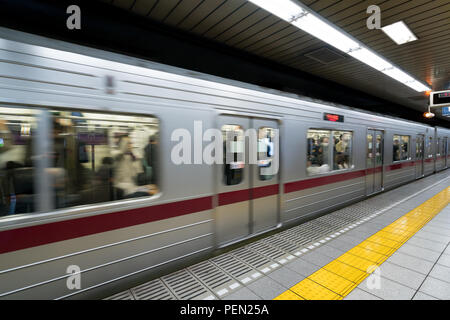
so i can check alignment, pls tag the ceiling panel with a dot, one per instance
(243, 25)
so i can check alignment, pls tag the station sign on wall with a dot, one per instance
(440, 98)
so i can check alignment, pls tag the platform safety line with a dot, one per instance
(338, 278)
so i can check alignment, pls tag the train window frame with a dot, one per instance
(262, 162)
(27, 112)
(408, 158)
(438, 147)
(224, 168)
(429, 148)
(331, 151)
(45, 115)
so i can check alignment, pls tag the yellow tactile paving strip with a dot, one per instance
(338, 278)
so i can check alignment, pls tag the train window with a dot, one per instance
(438, 147)
(419, 147)
(234, 146)
(401, 149)
(342, 151)
(17, 134)
(319, 151)
(328, 150)
(266, 153)
(430, 147)
(103, 157)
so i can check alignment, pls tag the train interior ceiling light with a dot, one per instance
(318, 27)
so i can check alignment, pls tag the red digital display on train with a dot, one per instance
(333, 117)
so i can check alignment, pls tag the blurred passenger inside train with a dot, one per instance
(343, 149)
(396, 151)
(324, 151)
(91, 158)
(128, 169)
(16, 175)
(151, 160)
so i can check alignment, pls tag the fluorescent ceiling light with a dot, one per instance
(370, 58)
(305, 19)
(286, 10)
(325, 32)
(398, 75)
(416, 85)
(399, 32)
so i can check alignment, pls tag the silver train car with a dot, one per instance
(89, 181)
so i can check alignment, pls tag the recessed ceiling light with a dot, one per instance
(399, 32)
(303, 18)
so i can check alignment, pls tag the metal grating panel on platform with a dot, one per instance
(252, 258)
(125, 295)
(281, 243)
(269, 251)
(230, 264)
(153, 290)
(214, 278)
(185, 286)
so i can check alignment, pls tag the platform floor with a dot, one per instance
(391, 246)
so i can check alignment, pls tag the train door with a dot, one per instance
(374, 161)
(265, 178)
(248, 178)
(420, 151)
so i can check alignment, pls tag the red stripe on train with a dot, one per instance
(400, 165)
(16, 239)
(374, 170)
(316, 182)
(247, 194)
(233, 197)
(261, 192)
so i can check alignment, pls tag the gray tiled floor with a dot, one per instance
(386, 289)
(436, 288)
(440, 272)
(317, 258)
(410, 262)
(419, 252)
(444, 260)
(242, 294)
(267, 288)
(406, 277)
(286, 277)
(358, 294)
(422, 296)
(427, 244)
(303, 267)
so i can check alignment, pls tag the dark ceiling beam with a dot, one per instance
(109, 28)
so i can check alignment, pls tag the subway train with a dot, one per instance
(90, 179)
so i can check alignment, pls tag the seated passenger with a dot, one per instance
(127, 168)
(104, 182)
(396, 151)
(324, 151)
(151, 160)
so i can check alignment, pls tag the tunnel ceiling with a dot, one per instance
(244, 26)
